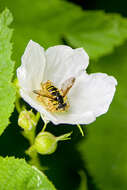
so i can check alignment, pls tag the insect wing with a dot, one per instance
(66, 86)
(40, 93)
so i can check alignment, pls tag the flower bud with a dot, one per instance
(27, 120)
(46, 143)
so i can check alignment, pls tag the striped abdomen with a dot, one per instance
(58, 98)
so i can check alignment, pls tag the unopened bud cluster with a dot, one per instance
(44, 142)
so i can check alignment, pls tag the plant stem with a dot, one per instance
(17, 105)
(34, 157)
(30, 135)
(44, 127)
(31, 150)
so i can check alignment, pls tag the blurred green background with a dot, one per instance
(100, 158)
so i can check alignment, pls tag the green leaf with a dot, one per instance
(7, 92)
(97, 32)
(105, 149)
(17, 174)
(49, 22)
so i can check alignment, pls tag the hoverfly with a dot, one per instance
(52, 98)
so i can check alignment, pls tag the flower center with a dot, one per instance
(52, 98)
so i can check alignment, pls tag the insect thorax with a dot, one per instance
(52, 98)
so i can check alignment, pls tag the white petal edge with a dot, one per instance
(63, 62)
(74, 119)
(30, 73)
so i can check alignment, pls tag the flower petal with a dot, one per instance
(30, 73)
(64, 62)
(74, 118)
(89, 98)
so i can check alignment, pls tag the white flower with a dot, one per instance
(89, 97)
